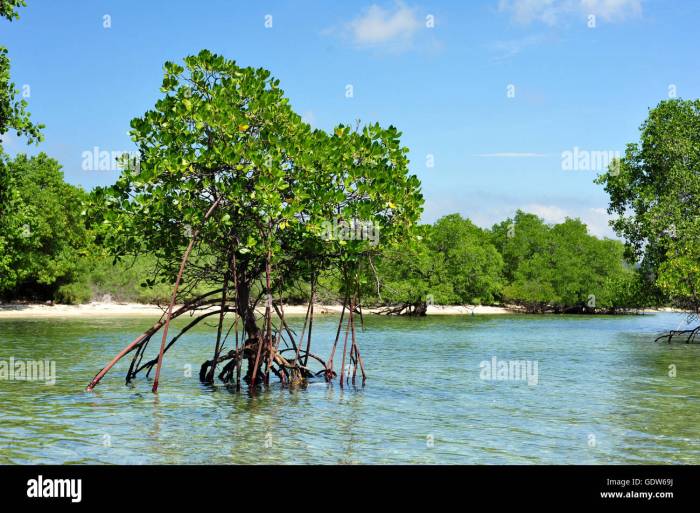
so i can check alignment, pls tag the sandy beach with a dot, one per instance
(30, 311)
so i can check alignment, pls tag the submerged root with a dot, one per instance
(690, 335)
(287, 371)
(259, 354)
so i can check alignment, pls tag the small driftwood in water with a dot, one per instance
(690, 335)
(416, 309)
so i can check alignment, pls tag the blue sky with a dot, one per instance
(492, 92)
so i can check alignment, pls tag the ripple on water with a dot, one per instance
(604, 395)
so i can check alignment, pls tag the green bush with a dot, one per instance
(74, 293)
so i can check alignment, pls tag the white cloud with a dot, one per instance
(394, 27)
(486, 208)
(527, 11)
(596, 219)
(550, 213)
(551, 12)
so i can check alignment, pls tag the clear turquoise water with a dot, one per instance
(604, 395)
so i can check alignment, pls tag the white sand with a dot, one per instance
(31, 311)
(468, 310)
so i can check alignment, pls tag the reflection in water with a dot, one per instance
(351, 401)
(606, 394)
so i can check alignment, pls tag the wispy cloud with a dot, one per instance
(378, 25)
(391, 28)
(511, 155)
(551, 12)
(612, 10)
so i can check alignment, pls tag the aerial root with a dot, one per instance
(145, 337)
(292, 364)
(287, 371)
(690, 335)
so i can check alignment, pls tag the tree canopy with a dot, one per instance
(561, 267)
(226, 135)
(450, 262)
(655, 197)
(8, 8)
(40, 226)
(42, 234)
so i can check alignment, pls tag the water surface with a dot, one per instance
(604, 394)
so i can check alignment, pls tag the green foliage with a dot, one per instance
(74, 293)
(628, 291)
(472, 263)
(124, 281)
(521, 260)
(562, 267)
(450, 262)
(518, 246)
(8, 8)
(655, 194)
(412, 272)
(13, 113)
(42, 234)
(225, 137)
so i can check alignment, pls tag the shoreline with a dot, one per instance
(98, 309)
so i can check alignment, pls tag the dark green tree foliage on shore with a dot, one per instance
(655, 194)
(408, 276)
(471, 261)
(42, 234)
(450, 262)
(561, 267)
(517, 246)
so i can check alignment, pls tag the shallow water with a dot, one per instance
(603, 395)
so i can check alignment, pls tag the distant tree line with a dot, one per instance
(49, 252)
(521, 261)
